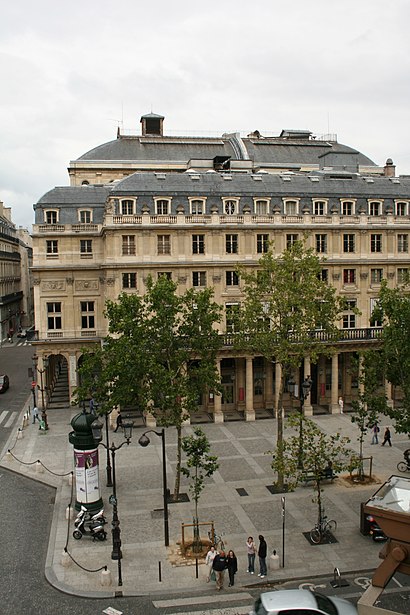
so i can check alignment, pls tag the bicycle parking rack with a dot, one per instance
(337, 580)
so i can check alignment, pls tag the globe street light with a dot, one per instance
(96, 428)
(144, 441)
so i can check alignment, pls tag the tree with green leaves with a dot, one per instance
(199, 466)
(286, 304)
(160, 355)
(320, 451)
(371, 399)
(393, 310)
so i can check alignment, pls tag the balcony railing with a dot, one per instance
(342, 336)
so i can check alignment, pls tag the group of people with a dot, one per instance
(375, 435)
(218, 562)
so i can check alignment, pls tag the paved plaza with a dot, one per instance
(244, 465)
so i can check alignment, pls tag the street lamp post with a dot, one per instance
(303, 395)
(41, 387)
(96, 428)
(144, 441)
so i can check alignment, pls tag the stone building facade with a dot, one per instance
(193, 209)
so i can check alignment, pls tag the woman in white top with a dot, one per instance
(209, 560)
(251, 549)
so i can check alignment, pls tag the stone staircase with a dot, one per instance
(60, 397)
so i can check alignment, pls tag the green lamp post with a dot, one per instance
(85, 463)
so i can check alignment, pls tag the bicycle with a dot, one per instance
(216, 540)
(322, 530)
(402, 466)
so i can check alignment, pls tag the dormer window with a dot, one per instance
(402, 208)
(85, 216)
(51, 217)
(375, 208)
(319, 208)
(197, 207)
(261, 207)
(127, 207)
(347, 208)
(162, 207)
(230, 206)
(291, 207)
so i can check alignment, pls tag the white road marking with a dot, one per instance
(10, 421)
(217, 597)
(3, 415)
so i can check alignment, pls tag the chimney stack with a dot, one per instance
(389, 168)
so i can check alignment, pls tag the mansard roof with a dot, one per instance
(75, 195)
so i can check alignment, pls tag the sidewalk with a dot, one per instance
(241, 449)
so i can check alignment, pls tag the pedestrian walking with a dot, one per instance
(375, 432)
(34, 414)
(209, 560)
(232, 567)
(119, 421)
(341, 404)
(387, 437)
(251, 549)
(220, 564)
(262, 552)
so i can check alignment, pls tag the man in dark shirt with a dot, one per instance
(262, 552)
(220, 564)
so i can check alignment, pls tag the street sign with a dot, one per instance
(34, 384)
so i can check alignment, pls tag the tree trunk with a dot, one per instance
(178, 466)
(319, 501)
(279, 437)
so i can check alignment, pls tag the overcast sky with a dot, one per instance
(71, 71)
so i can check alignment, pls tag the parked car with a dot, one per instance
(303, 601)
(4, 383)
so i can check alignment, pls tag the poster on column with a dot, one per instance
(86, 475)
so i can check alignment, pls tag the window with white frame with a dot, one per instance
(375, 208)
(162, 207)
(347, 208)
(291, 208)
(261, 207)
(402, 242)
(198, 244)
(323, 275)
(197, 207)
(349, 318)
(349, 276)
(232, 278)
(262, 243)
(127, 207)
(166, 274)
(321, 243)
(51, 216)
(54, 315)
(376, 276)
(86, 247)
(87, 315)
(128, 245)
(52, 247)
(231, 243)
(373, 321)
(349, 242)
(319, 208)
(402, 275)
(199, 278)
(231, 312)
(375, 242)
(230, 206)
(291, 238)
(401, 208)
(85, 216)
(129, 280)
(164, 244)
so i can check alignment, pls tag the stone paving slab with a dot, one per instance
(243, 463)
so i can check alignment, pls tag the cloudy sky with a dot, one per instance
(72, 71)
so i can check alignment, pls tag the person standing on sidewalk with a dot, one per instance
(341, 404)
(250, 546)
(220, 564)
(232, 567)
(34, 414)
(119, 421)
(262, 553)
(209, 560)
(375, 432)
(387, 437)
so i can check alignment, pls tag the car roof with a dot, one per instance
(288, 599)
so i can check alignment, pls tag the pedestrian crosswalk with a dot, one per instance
(7, 418)
(212, 604)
